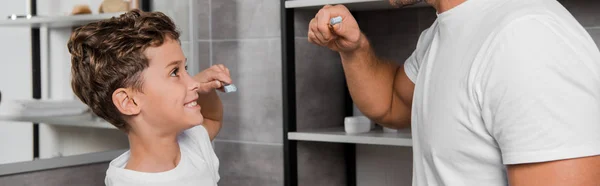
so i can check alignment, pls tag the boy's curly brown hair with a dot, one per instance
(109, 54)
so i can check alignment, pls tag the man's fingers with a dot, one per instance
(316, 33)
(313, 39)
(338, 29)
(322, 19)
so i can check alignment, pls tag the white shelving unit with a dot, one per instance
(358, 5)
(57, 21)
(354, 146)
(83, 120)
(338, 135)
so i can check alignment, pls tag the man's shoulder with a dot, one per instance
(508, 15)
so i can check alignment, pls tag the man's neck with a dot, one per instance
(444, 5)
(153, 152)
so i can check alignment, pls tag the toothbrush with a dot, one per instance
(335, 20)
(229, 88)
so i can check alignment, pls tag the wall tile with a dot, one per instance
(383, 165)
(302, 18)
(585, 11)
(202, 13)
(202, 60)
(320, 87)
(254, 113)
(91, 175)
(321, 164)
(234, 19)
(178, 11)
(394, 47)
(185, 47)
(249, 164)
(204, 55)
(426, 18)
(389, 22)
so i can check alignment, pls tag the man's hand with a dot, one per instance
(212, 108)
(213, 78)
(344, 37)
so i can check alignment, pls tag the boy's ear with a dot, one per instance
(124, 101)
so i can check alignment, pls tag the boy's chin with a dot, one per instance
(189, 121)
(196, 121)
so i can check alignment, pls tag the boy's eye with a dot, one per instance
(174, 72)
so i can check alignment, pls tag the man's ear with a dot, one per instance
(124, 101)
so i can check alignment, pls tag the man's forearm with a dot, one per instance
(371, 84)
(212, 110)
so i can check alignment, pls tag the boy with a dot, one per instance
(131, 72)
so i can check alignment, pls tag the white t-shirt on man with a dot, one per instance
(501, 82)
(198, 165)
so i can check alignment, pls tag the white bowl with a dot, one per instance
(385, 129)
(357, 124)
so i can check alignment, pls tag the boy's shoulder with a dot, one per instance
(197, 135)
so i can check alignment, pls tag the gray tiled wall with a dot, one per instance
(321, 164)
(202, 13)
(383, 165)
(243, 19)
(250, 164)
(244, 35)
(254, 113)
(179, 12)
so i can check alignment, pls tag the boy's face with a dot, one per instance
(169, 93)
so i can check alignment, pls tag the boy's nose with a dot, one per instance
(195, 85)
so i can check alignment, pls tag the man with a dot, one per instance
(497, 92)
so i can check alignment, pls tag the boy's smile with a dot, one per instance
(193, 104)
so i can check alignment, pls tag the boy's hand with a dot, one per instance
(212, 108)
(213, 78)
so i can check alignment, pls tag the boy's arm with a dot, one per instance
(211, 107)
(212, 110)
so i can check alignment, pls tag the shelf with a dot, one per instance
(356, 5)
(83, 120)
(338, 135)
(59, 162)
(57, 21)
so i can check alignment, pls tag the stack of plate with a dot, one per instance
(39, 108)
